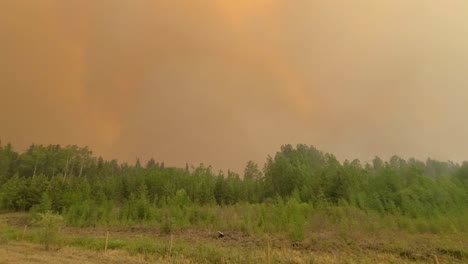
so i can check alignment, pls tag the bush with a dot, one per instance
(296, 221)
(167, 226)
(50, 225)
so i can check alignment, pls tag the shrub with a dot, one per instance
(167, 226)
(296, 221)
(50, 225)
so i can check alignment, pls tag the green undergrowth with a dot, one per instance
(346, 232)
(291, 217)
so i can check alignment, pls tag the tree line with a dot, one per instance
(69, 178)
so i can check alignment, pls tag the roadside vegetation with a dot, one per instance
(304, 201)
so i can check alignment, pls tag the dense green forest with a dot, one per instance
(294, 186)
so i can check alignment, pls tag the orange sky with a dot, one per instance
(222, 82)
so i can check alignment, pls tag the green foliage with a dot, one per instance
(44, 206)
(46, 203)
(146, 246)
(87, 242)
(96, 243)
(296, 218)
(298, 186)
(50, 225)
(8, 233)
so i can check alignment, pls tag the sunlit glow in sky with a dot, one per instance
(224, 82)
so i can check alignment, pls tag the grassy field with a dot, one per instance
(149, 244)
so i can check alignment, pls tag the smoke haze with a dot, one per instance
(223, 82)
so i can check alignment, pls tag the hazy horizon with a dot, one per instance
(223, 82)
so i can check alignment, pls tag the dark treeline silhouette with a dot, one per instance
(70, 180)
